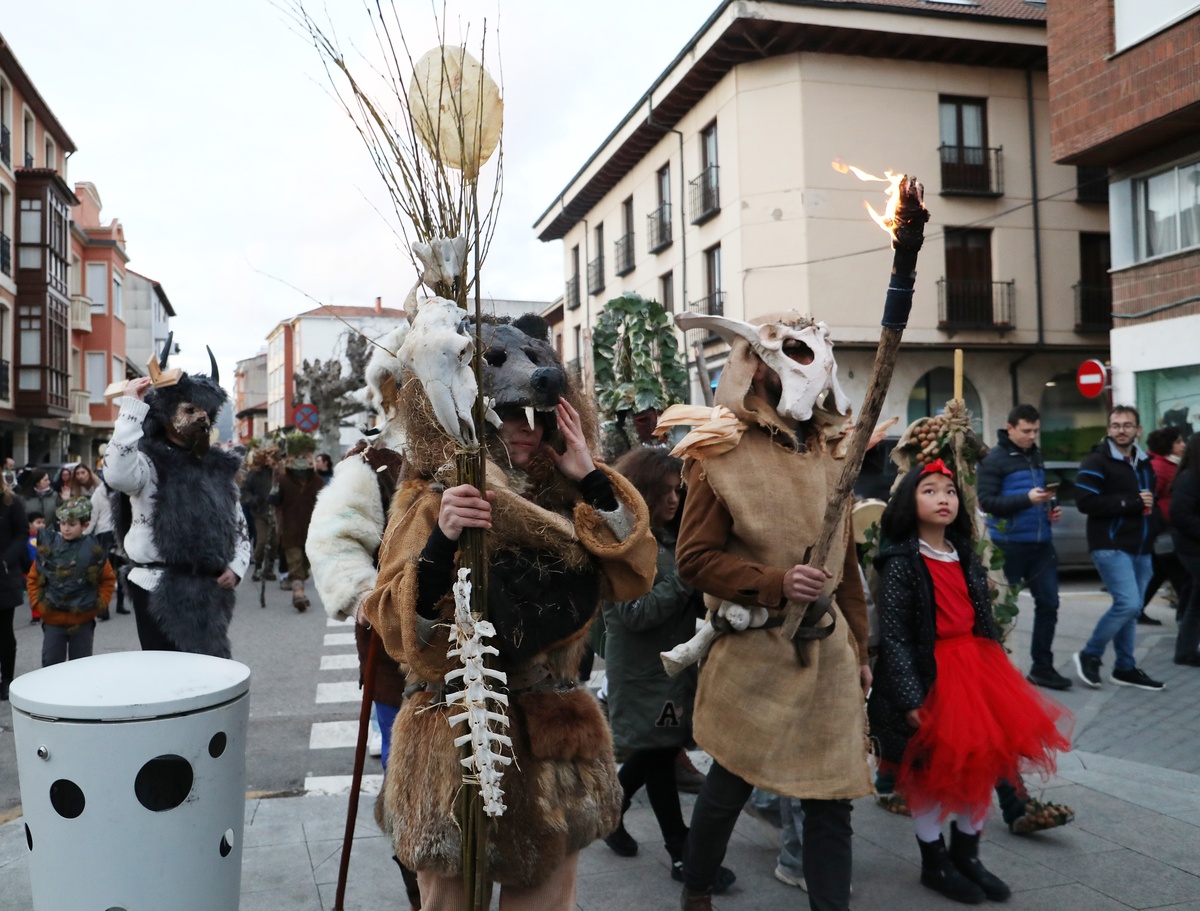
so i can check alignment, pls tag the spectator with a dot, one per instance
(62, 484)
(1185, 519)
(324, 467)
(297, 485)
(1020, 510)
(39, 495)
(13, 535)
(1166, 445)
(1115, 490)
(83, 482)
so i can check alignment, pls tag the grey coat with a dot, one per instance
(647, 709)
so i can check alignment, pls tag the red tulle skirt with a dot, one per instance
(982, 721)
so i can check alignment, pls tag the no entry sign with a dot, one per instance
(1091, 378)
(304, 417)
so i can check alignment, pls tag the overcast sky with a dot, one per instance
(208, 129)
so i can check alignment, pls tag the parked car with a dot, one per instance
(1070, 533)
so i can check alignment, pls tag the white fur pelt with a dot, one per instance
(343, 537)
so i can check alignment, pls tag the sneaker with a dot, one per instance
(1048, 678)
(790, 879)
(374, 742)
(1135, 676)
(622, 842)
(1087, 667)
(1145, 619)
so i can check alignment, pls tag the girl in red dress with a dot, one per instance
(948, 709)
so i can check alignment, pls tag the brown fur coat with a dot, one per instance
(562, 791)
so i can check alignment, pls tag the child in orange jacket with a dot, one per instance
(70, 583)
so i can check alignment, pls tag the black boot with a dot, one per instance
(939, 873)
(695, 901)
(964, 853)
(3, 691)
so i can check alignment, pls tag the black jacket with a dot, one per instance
(14, 539)
(906, 667)
(1107, 491)
(1185, 512)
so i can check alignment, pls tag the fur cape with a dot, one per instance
(194, 523)
(562, 791)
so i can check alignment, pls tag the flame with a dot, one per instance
(887, 220)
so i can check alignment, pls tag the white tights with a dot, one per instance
(929, 827)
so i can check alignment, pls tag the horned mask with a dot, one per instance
(804, 386)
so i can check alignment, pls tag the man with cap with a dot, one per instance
(179, 514)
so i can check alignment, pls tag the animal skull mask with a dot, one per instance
(804, 385)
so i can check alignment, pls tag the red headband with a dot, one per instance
(937, 465)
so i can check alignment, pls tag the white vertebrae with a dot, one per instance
(466, 638)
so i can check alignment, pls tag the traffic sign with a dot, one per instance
(1091, 378)
(304, 417)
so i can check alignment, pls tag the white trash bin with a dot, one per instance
(133, 781)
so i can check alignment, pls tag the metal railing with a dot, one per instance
(572, 293)
(623, 248)
(658, 229)
(596, 275)
(705, 195)
(971, 170)
(975, 305)
(5, 254)
(1091, 184)
(710, 305)
(81, 313)
(1093, 308)
(29, 159)
(5, 389)
(81, 410)
(6, 144)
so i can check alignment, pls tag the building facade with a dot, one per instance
(1125, 98)
(718, 193)
(250, 398)
(148, 313)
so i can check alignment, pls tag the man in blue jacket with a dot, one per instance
(1020, 512)
(1115, 490)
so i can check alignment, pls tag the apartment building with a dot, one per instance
(250, 398)
(148, 313)
(1125, 99)
(717, 193)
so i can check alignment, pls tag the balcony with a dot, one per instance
(1091, 185)
(964, 305)
(705, 193)
(971, 171)
(1093, 308)
(5, 389)
(6, 255)
(710, 305)
(596, 275)
(623, 248)
(658, 229)
(81, 313)
(81, 411)
(28, 160)
(571, 296)
(6, 145)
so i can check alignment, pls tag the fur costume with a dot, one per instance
(179, 516)
(751, 514)
(561, 792)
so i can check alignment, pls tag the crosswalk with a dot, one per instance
(337, 686)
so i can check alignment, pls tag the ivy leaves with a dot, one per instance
(637, 358)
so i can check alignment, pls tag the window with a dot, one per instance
(666, 291)
(1135, 20)
(29, 254)
(1167, 211)
(97, 286)
(118, 369)
(29, 134)
(969, 299)
(5, 239)
(117, 303)
(659, 221)
(578, 331)
(708, 146)
(623, 248)
(1093, 294)
(967, 162)
(596, 266)
(29, 377)
(51, 157)
(705, 189)
(572, 294)
(714, 300)
(75, 279)
(934, 389)
(97, 376)
(6, 97)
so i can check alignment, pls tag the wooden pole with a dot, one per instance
(908, 235)
(958, 374)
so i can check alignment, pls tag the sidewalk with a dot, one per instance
(1133, 782)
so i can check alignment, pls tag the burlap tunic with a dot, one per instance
(751, 513)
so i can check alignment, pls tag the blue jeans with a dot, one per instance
(386, 715)
(1036, 565)
(1125, 576)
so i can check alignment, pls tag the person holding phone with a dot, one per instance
(1021, 509)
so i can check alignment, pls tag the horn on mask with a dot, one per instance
(728, 329)
(216, 373)
(166, 351)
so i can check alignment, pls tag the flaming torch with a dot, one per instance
(904, 219)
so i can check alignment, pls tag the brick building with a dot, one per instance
(1125, 98)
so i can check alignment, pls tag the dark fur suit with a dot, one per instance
(195, 532)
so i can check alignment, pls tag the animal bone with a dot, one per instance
(688, 653)
(442, 259)
(440, 356)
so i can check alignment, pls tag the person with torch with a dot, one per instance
(765, 535)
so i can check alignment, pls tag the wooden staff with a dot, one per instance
(908, 232)
(360, 758)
